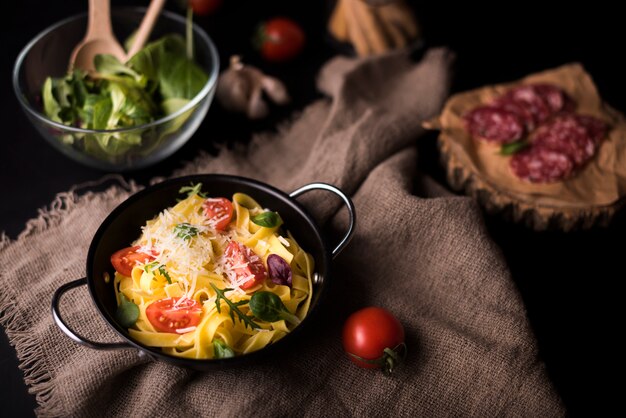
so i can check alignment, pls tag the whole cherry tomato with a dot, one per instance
(204, 7)
(280, 39)
(374, 338)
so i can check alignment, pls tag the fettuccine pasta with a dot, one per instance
(186, 284)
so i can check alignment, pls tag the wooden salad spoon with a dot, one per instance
(99, 38)
(146, 26)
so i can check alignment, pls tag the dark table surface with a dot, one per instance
(569, 281)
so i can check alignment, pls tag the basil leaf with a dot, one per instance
(267, 306)
(186, 231)
(514, 147)
(222, 350)
(127, 312)
(267, 219)
(279, 270)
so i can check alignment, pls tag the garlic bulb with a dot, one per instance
(240, 89)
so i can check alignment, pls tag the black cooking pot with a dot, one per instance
(124, 224)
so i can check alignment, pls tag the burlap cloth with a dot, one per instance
(427, 258)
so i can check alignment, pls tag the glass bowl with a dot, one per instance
(48, 54)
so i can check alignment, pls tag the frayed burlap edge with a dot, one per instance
(32, 360)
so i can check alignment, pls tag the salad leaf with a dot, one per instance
(64, 91)
(108, 64)
(102, 110)
(165, 62)
(173, 105)
(79, 88)
(132, 106)
(148, 60)
(50, 105)
(157, 81)
(128, 43)
(182, 79)
(267, 306)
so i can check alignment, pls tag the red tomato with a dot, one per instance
(219, 210)
(166, 315)
(204, 7)
(374, 338)
(125, 259)
(280, 39)
(245, 264)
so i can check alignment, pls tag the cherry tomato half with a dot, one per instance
(219, 210)
(125, 259)
(245, 264)
(374, 338)
(204, 7)
(170, 315)
(280, 39)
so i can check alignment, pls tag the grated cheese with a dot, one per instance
(185, 330)
(184, 259)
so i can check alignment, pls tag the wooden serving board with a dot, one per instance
(589, 198)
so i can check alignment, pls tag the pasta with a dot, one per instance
(195, 269)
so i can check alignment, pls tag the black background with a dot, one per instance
(569, 282)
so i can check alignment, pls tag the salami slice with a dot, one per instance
(566, 134)
(534, 103)
(539, 164)
(510, 105)
(596, 128)
(494, 124)
(556, 99)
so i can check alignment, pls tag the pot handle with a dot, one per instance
(56, 314)
(351, 211)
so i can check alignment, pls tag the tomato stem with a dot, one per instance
(390, 359)
(260, 36)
